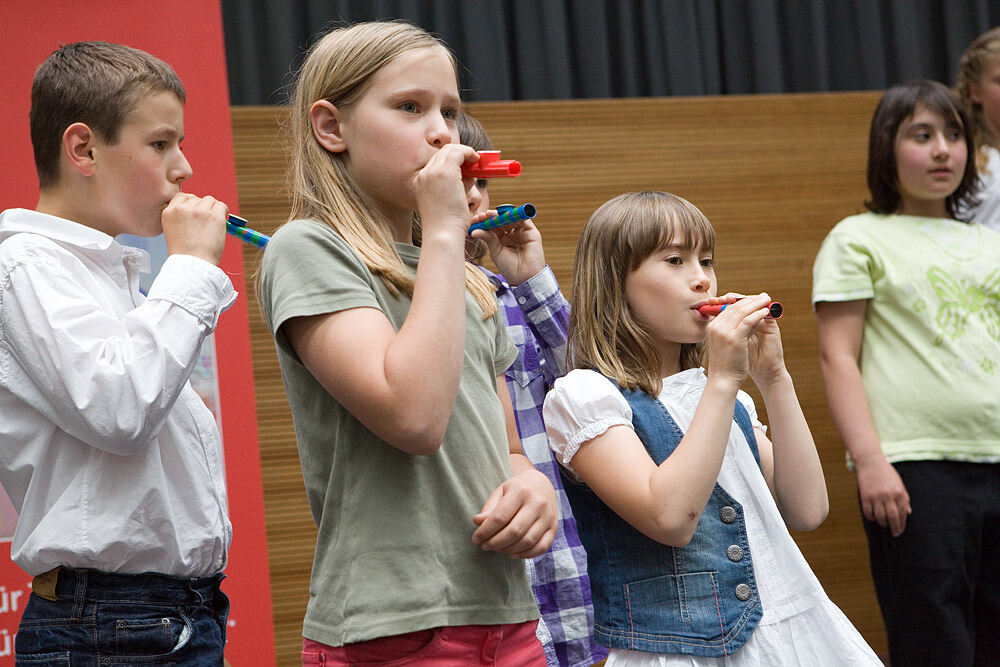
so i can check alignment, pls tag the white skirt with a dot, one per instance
(818, 636)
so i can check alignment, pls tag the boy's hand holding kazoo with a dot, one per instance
(195, 226)
(516, 249)
(519, 517)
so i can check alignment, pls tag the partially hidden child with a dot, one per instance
(537, 318)
(393, 358)
(682, 502)
(111, 458)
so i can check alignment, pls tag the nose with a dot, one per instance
(700, 279)
(180, 170)
(475, 198)
(940, 146)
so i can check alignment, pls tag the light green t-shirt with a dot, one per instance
(394, 551)
(930, 352)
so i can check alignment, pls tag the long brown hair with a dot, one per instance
(604, 333)
(340, 68)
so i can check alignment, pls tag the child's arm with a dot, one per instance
(402, 385)
(665, 502)
(840, 326)
(518, 254)
(110, 380)
(791, 466)
(519, 517)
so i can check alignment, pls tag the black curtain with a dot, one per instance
(562, 49)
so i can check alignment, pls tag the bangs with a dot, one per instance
(651, 221)
(942, 105)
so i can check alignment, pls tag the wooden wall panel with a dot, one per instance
(772, 173)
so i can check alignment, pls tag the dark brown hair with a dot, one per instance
(96, 83)
(898, 104)
(472, 133)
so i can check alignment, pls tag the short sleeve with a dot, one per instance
(504, 350)
(581, 406)
(845, 269)
(308, 269)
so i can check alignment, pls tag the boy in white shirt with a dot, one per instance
(110, 457)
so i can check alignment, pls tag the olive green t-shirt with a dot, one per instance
(394, 551)
(930, 350)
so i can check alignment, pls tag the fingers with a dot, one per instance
(884, 498)
(484, 512)
(519, 518)
(195, 226)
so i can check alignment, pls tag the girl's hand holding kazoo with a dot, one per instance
(516, 249)
(519, 517)
(728, 336)
(766, 356)
(441, 192)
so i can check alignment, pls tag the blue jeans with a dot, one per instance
(124, 619)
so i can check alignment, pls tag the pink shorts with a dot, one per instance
(512, 644)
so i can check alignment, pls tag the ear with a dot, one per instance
(78, 146)
(974, 92)
(327, 126)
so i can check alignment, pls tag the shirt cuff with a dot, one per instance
(197, 286)
(537, 289)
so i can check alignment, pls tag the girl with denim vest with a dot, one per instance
(907, 301)
(681, 500)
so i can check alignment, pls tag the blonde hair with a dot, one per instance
(604, 333)
(971, 67)
(340, 68)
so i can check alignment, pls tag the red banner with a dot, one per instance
(188, 35)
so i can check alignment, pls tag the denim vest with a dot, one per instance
(700, 599)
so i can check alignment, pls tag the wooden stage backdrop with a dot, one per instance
(772, 173)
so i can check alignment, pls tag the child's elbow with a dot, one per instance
(810, 518)
(418, 439)
(674, 531)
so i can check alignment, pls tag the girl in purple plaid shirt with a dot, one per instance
(537, 318)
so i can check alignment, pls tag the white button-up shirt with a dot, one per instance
(111, 458)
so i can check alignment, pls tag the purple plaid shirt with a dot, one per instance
(537, 319)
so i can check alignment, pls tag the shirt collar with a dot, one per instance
(18, 220)
(494, 278)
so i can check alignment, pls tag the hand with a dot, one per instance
(884, 498)
(195, 226)
(516, 249)
(728, 335)
(440, 191)
(519, 517)
(766, 357)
